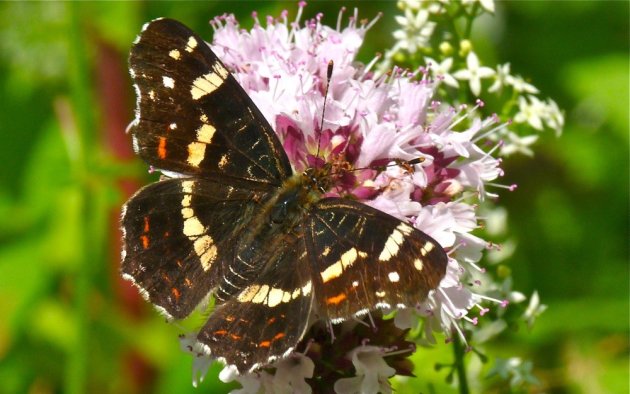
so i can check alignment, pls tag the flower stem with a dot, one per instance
(78, 361)
(460, 351)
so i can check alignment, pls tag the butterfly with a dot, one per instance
(232, 220)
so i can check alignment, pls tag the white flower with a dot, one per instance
(416, 30)
(413, 4)
(519, 84)
(287, 379)
(488, 5)
(251, 382)
(531, 111)
(504, 78)
(372, 373)
(201, 361)
(534, 309)
(515, 369)
(501, 78)
(474, 73)
(442, 71)
(478, 169)
(514, 143)
(554, 117)
(290, 374)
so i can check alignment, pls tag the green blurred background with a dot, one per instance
(69, 324)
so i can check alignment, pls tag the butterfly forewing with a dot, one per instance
(192, 115)
(367, 259)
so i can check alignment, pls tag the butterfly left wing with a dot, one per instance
(268, 318)
(179, 236)
(192, 116)
(368, 259)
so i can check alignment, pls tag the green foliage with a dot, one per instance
(70, 325)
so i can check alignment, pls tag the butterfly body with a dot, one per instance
(234, 222)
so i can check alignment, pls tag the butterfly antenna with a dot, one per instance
(321, 125)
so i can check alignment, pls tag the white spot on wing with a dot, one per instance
(175, 54)
(206, 250)
(208, 83)
(187, 186)
(347, 259)
(306, 289)
(187, 212)
(223, 161)
(191, 44)
(275, 297)
(393, 277)
(135, 144)
(394, 241)
(193, 227)
(427, 248)
(248, 294)
(261, 294)
(196, 153)
(168, 82)
(205, 133)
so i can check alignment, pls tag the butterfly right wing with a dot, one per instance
(192, 116)
(366, 259)
(180, 236)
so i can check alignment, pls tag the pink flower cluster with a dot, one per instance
(369, 121)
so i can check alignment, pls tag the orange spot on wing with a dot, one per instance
(278, 336)
(146, 224)
(220, 332)
(270, 321)
(145, 241)
(162, 148)
(235, 337)
(265, 344)
(187, 282)
(336, 299)
(176, 293)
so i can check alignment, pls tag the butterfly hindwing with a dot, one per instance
(179, 235)
(192, 115)
(268, 318)
(367, 258)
